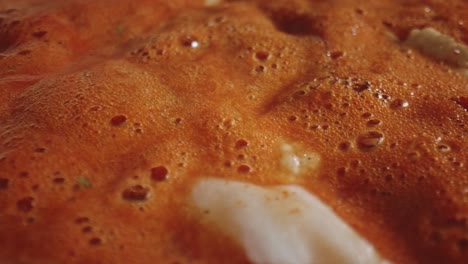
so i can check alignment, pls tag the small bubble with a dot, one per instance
(241, 143)
(40, 150)
(461, 101)
(369, 140)
(95, 241)
(136, 193)
(159, 173)
(95, 108)
(260, 69)
(366, 115)
(344, 146)
(292, 118)
(262, 55)
(241, 157)
(360, 87)
(335, 54)
(355, 163)
(39, 34)
(243, 168)
(341, 171)
(87, 229)
(389, 178)
(4, 183)
(118, 120)
(443, 148)
(26, 204)
(59, 180)
(24, 174)
(81, 220)
(373, 122)
(413, 155)
(399, 103)
(190, 41)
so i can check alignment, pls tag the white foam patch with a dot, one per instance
(439, 46)
(284, 224)
(295, 162)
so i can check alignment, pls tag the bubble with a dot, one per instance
(95, 241)
(261, 55)
(443, 148)
(243, 168)
(59, 180)
(360, 87)
(461, 101)
(190, 42)
(26, 204)
(241, 143)
(159, 173)
(178, 120)
(39, 34)
(294, 24)
(118, 120)
(366, 115)
(81, 220)
(413, 155)
(24, 174)
(335, 54)
(341, 171)
(292, 118)
(136, 193)
(369, 140)
(260, 69)
(344, 146)
(87, 229)
(4, 183)
(399, 103)
(388, 177)
(373, 122)
(95, 108)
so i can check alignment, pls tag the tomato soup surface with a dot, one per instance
(112, 111)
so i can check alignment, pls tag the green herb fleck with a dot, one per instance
(84, 182)
(120, 30)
